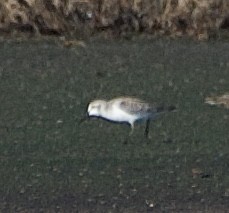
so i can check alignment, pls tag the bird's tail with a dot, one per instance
(162, 109)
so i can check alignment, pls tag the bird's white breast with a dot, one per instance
(114, 113)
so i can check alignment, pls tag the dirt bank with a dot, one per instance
(195, 18)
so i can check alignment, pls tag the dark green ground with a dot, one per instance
(50, 162)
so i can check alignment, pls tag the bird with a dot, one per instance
(126, 110)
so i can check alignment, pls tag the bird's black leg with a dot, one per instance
(130, 134)
(132, 130)
(147, 128)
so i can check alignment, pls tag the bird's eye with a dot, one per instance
(95, 107)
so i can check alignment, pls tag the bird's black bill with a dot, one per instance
(83, 119)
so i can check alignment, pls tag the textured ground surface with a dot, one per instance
(50, 162)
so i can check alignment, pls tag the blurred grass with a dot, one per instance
(50, 162)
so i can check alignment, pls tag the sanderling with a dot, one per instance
(126, 110)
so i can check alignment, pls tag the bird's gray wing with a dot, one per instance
(135, 106)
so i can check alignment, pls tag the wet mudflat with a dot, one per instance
(50, 162)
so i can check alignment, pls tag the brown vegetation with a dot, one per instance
(222, 100)
(198, 18)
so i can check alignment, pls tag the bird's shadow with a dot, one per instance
(129, 138)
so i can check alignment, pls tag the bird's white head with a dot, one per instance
(94, 108)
